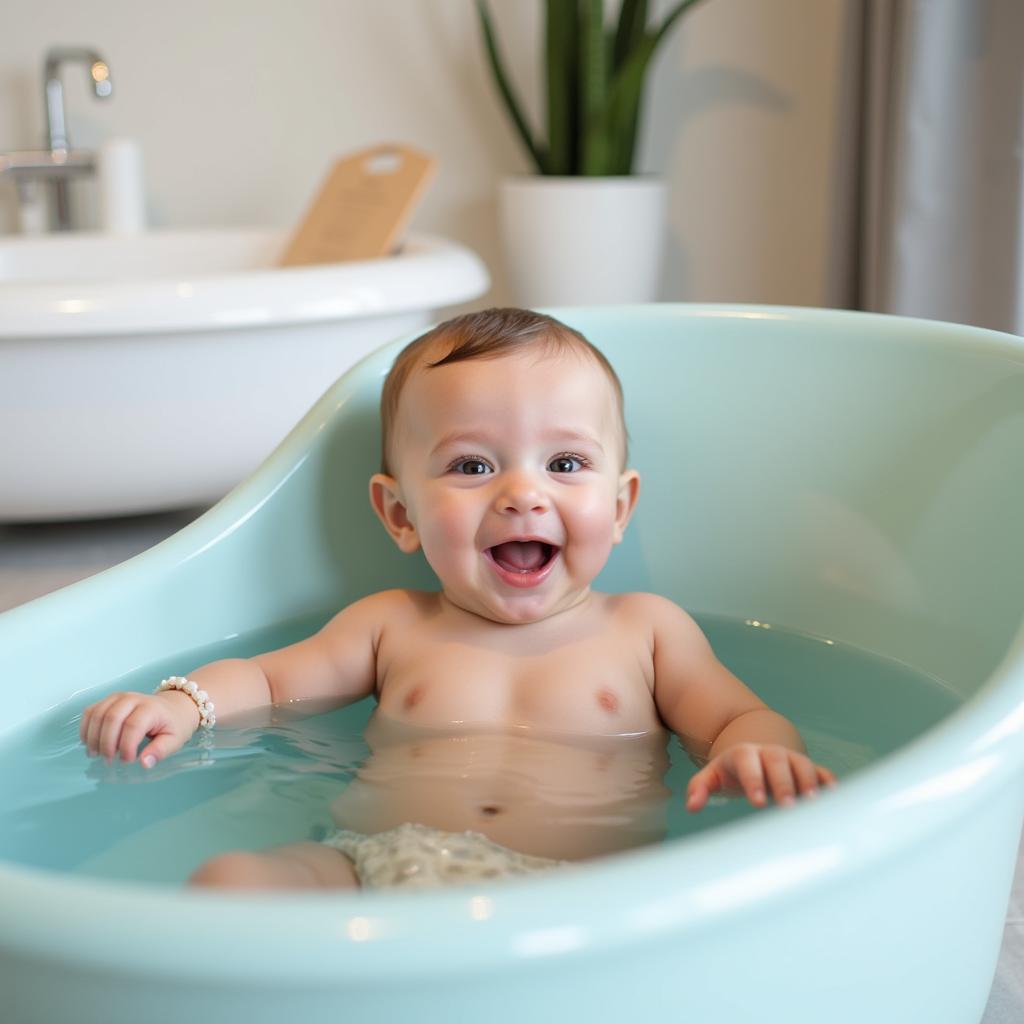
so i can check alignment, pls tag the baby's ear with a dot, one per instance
(625, 502)
(386, 499)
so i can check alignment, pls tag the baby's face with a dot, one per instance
(508, 472)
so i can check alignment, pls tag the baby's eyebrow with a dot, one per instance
(458, 438)
(557, 438)
(571, 437)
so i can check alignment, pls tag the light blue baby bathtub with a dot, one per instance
(852, 476)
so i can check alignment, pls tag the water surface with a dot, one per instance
(276, 780)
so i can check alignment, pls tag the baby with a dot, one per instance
(504, 460)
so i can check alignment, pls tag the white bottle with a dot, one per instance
(33, 213)
(121, 194)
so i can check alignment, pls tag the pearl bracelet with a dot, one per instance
(207, 719)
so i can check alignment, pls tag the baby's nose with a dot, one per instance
(520, 493)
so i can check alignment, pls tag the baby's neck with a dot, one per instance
(562, 619)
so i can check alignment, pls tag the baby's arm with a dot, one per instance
(338, 662)
(745, 744)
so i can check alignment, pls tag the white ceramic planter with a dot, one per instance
(583, 241)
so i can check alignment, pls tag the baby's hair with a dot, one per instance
(486, 334)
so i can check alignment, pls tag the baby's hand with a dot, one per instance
(756, 770)
(118, 724)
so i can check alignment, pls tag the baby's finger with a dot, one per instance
(158, 748)
(750, 772)
(110, 732)
(98, 712)
(780, 775)
(825, 777)
(137, 725)
(806, 775)
(701, 786)
(83, 724)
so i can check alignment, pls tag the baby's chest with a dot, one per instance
(598, 690)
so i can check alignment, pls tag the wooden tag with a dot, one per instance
(362, 207)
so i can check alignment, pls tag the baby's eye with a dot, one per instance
(470, 467)
(566, 464)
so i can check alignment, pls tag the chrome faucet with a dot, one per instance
(59, 163)
(99, 75)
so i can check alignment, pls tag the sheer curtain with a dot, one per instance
(941, 160)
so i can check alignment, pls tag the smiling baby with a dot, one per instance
(505, 462)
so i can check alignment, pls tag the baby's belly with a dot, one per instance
(547, 796)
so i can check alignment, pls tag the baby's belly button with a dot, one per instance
(490, 809)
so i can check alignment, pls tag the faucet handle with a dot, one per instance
(100, 74)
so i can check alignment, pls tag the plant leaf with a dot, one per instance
(631, 27)
(593, 88)
(506, 90)
(625, 95)
(681, 8)
(562, 50)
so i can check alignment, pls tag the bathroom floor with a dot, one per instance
(36, 559)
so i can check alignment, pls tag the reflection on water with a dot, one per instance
(562, 797)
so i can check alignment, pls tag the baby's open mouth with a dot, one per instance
(523, 556)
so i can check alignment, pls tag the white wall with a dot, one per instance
(750, 123)
(240, 106)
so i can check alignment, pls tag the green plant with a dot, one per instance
(595, 83)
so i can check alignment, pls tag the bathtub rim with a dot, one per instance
(430, 272)
(971, 753)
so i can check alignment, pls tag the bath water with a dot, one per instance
(247, 786)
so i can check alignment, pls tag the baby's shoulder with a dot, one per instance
(403, 602)
(652, 610)
(390, 608)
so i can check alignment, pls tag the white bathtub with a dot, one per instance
(156, 371)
